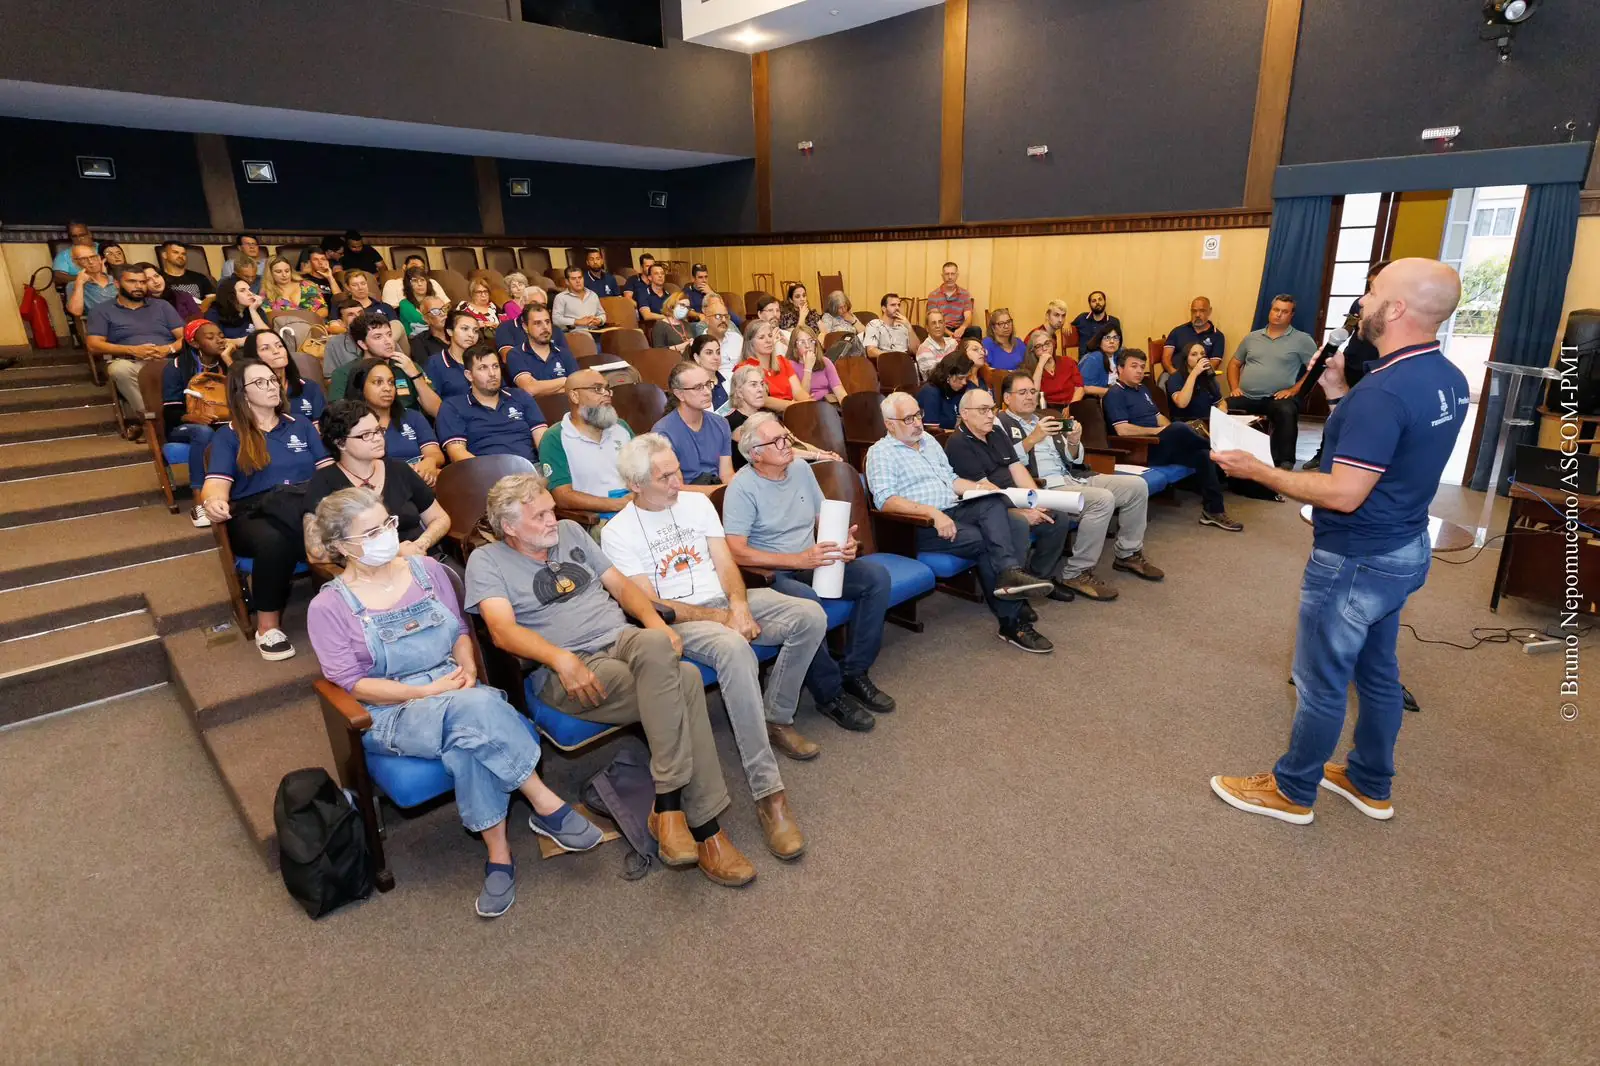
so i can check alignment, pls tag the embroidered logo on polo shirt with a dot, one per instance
(408, 433)
(513, 412)
(305, 406)
(295, 444)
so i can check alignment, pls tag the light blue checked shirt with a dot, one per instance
(919, 473)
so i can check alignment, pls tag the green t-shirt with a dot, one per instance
(405, 393)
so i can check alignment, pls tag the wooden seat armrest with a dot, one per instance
(337, 700)
(587, 519)
(1101, 462)
(756, 577)
(896, 533)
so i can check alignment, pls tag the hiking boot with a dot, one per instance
(1221, 520)
(1137, 565)
(1089, 587)
(1258, 794)
(1336, 779)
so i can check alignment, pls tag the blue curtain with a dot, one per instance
(1530, 315)
(1297, 252)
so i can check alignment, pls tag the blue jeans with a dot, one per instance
(198, 438)
(867, 584)
(1349, 623)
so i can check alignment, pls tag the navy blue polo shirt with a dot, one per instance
(645, 297)
(1206, 395)
(1400, 422)
(294, 452)
(448, 377)
(604, 285)
(408, 431)
(233, 333)
(378, 307)
(310, 403)
(1185, 335)
(1123, 404)
(510, 334)
(506, 429)
(524, 360)
(1087, 328)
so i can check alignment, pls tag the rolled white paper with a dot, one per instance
(1059, 500)
(833, 524)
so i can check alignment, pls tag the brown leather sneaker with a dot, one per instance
(1336, 779)
(784, 838)
(1089, 587)
(790, 741)
(724, 863)
(671, 830)
(1258, 794)
(1137, 565)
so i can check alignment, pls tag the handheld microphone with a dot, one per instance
(1329, 350)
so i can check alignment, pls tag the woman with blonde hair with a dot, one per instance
(516, 289)
(818, 378)
(480, 302)
(671, 330)
(761, 348)
(748, 397)
(283, 290)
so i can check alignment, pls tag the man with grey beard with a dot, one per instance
(582, 450)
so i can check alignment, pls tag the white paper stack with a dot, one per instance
(833, 524)
(1228, 435)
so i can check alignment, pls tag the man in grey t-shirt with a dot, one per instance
(769, 516)
(1265, 375)
(549, 594)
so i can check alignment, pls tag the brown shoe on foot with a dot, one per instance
(790, 741)
(673, 840)
(1089, 587)
(1258, 794)
(1137, 565)
(784, 838)
(1336, 779)
(724, 863)
(1221, 520)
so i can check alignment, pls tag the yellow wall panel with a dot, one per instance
(1419, 222)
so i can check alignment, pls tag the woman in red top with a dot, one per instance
(1059, 380)
(761, 341)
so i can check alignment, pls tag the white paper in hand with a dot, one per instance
(1229, 435)
(833, 524)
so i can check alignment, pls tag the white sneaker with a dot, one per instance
(198, 516)
(274, 645)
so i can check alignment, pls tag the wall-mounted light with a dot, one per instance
(805, 147)
(97, 166)
(260, 172)
(519, 187)
(1038, 151)
(658, 199)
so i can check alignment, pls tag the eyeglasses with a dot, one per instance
(987, 410)
(262, 384)
(437, 312)
(603, 390)
(915, 416)
(717, 318)
(392, 522)
(781, 443)
(371, 436)
(1024, 392)
(704, 386)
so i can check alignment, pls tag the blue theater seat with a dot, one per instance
(409, 782)
(1164, 477)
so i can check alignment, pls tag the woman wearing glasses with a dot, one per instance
(748, 396)
(257, 469)
(1003, 347)
(417, 288)
(1058, 378)
(389, 630)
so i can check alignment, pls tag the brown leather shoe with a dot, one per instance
(1137, 565)
(1336, 779)
(1089, 587)
(724, 863)
(790, 741)
(671, 830)
(784, 838)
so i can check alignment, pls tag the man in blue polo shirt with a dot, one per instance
(641, 280)
(541, 364)
(596, 278)
(489, 420)
(1384, 449)
(127, 330)
(1198, 330)
(510, 334)
(1130, 412)
(651, 297)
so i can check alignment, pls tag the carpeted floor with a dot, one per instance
(1023, 864)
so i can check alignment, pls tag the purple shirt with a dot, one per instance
(824, 378)
(336, 635)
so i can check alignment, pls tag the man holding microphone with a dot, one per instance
(1384, 449)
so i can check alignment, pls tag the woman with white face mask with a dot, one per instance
(389, 630)
(352, 435)
(672, 328)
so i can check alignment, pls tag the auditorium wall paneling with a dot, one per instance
(418, 64)
(157, 176)
(598, 203)
(868, 99)
(1368, 78)
(1146, 105)
(1149, 277)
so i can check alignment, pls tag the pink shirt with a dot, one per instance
(824, 378)
(336, 636)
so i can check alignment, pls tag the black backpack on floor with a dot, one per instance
(322, 847)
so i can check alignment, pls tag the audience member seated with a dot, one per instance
(246, 271)
(1055, 324)
(414, 289)
(446, 369)
(550, 595)
(748, 398)
(1055, 459)
(952, 302)
(907, 473)
(359, 255)
(249, 251)
(796, 312)
(671, 545)
(487, 419)
(257, 469)
(578, 308)
(938, 344)
(236, 309)
(706, 353)
(395, 289)
(837, 317)
(91, 283)
(359, 286)
(1057, 376)
(316, 268)
(207, 352)
(651, 295)
(940, 398)
(641, 281)
(890, 331)
(1198, 330)
(671, 330)
(768, 309)
(283, 291)
(156, 288)
(581, 450)
(1092, 321)
(1096, 361)
(761, 350)
(480, 303)
(1266, 373)
(113, 255)
(65, 269)
(596, 278)
(175, 270)
(389, 631)
(818, 377)
(407, 433)
(1004, 349)
(436, 310)
(541, 364)
(1130, 412)
(128, 329)
(770, 520)
(516, 295)
(701, 437)
(699, 290)
(341, 349)
(352, 434)
(730, 342)
(971, 346)
(375, 340)
(1193, 387)
(510, 334)
(304, 397)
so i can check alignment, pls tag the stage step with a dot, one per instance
(32, 375)
(51, 425)
(230, 681)
(38, 458)
(52, 397)
(88, 492)
(95, 660)
(72, 547)
(180, 593)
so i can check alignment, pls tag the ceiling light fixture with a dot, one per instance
(749, 37)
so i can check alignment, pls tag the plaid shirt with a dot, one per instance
(919, 473)
(958, 305)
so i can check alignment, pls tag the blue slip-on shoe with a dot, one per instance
(499, 889)
(570, 830)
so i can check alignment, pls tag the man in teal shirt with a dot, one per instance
(1265, 376)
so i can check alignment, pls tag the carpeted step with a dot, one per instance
(180, 593)
(50, 425)
(53, 397)
(61, 356)
(69, 548)
(95, 660)
(32, 375)
(89, 492)
(228, 681)
(252, 756)
(37, 458)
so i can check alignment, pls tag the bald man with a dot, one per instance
(581, 450)
(1384, 449)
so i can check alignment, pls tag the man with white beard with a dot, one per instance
(581, 450)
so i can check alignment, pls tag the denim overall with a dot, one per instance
(478, 736)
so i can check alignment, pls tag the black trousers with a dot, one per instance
(983, 534)
(274, 550)
(1283, 415)
(1180, 444)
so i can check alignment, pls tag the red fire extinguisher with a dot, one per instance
(37, 312)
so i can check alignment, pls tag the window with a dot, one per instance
(1482, 222)
(1503, 218)
(1364, 223)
